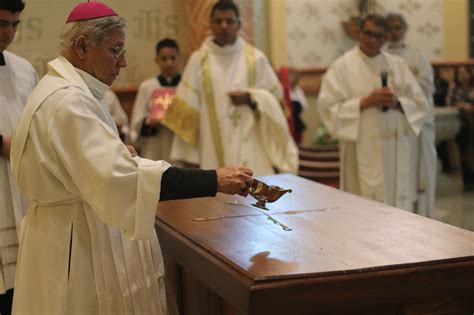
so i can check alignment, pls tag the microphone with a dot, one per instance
(384, 81)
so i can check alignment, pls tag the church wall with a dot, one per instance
(147, 22)
(316, 36)
(299, 33)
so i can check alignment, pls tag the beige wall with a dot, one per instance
(149, 20)
(456, 26)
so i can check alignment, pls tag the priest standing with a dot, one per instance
(371, 102)
(425, 155)
(88, 243)
(226, 109)
(17, 80)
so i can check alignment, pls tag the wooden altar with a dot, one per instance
(344, 254)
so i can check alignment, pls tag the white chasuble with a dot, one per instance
(88, 243)
(17, 80)
(155, 147)
(211, 131)
(375, 145)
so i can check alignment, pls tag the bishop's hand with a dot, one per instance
(233, 180)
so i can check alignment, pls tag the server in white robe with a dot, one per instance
(88, 243)
(151, 138)
(377, 127)
(425, 154)
(17, 80)
(226, 108)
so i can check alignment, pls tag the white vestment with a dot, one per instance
(375, 146)
(17, 80)
(88, 244)
(112, 104)
(426, 156)
(155, 147)
(211, 131)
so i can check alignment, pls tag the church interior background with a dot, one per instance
(305, 34)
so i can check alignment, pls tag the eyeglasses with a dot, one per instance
(228, 21)
(376, 36)
(117, 51)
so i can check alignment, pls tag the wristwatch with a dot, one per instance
(1, 145)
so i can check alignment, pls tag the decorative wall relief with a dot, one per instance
(148, 21)
(316, 36)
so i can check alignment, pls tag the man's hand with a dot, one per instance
(132, 150)
(7, 143)
(234, 180)
(382, 97)
(239, 98)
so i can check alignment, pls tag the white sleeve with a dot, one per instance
(123, 191)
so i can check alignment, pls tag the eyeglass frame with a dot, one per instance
(117, 51)
(377, 36)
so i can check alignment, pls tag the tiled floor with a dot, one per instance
(453, 206)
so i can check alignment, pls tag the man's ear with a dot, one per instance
(80, 46)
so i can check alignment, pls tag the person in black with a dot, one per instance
(153, 140)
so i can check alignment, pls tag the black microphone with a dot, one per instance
(384, 81)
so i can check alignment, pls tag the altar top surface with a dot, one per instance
(345, 235)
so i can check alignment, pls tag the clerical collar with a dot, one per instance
(2, 59)
(224, 50)
(363, 54)
(166, 81)
(96, 87)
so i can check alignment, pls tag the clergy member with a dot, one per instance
(377, 125)
(148, 135)
(88, 243)
(425, 154)
(226, 108)
(17, 80)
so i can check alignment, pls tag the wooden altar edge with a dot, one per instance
(416, 266)
(393, 285)
(402, 287)
(204, 263)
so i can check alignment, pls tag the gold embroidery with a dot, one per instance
(183, 120)
(251, 66)
(209, 94)
(188, 86)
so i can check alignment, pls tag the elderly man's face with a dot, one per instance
(8, 25)
(372, 38)
(105, 59)
(396, 30)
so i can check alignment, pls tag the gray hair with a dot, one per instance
(401, 18)
(95, 30)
